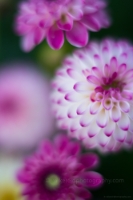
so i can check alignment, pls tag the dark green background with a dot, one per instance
(113, 166)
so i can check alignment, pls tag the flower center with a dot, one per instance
(53, 181)
(8, 106)
(114, 84)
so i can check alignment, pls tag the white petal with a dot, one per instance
(111, 144)
(131, 126)
(131, 112)
(83, 107)
(86, 119)
(94, 107)
(114, 145)
(81, 86)
(72, 111)
(102, 118)
(115, 114)
(109, 129)
(73, 96)
(125, 106)
(96, 71)
(129, 138)
(63, 124)
(74, 124)
(124, 122)
(102, 138)
(93, 129)
(119, 134)
(65, 88)
(74, 74)
(113, 64)
(90, 142)
(61, 114)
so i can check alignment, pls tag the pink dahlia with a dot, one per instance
(25, 116)
(93, 95)
(58, 172)
(51, 19)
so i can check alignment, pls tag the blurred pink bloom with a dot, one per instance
(40, 19)
(58, 171)
(93, 95)
(25, 116)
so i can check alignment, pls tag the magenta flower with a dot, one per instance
(40, 19)
(25, 116)
(58, 172)
(93, 95)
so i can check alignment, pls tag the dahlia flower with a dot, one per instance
(58, 172)
(25, 116)
(9, 187)
(93, 95)
(40, 19)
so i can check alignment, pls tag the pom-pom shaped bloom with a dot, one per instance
(93, 94)
(58, 171)
(39, 19)
(25, 116)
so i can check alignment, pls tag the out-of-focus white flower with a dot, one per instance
(10, 189)
(25, 116)
(93, 95)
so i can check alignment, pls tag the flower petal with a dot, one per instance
(81, 86)
(61, 142)
(27, 42)
(94, 108)
(119, 134)
(65, 23)
(92, 179)
(93, 79)
(82, 107)
(124, 122)
(78, 36)
(73, 97)
(55, 38)
(109, 129)
(129, 138)
(86, 119)
(102, 138)
(89, 160)
(125, 106)
(93, 129)
(102, 118)
(91, 22)
(115, 114)
(107, 103)
(83, 193)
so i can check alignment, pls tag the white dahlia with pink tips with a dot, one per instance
(93, 95)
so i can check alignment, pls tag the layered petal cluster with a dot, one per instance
(40, 19)
(58, 172)
(25, 116)
(93, 94)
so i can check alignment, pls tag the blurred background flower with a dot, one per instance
(38, 19)
(10, 189)
(58, 171)
(25, 115)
